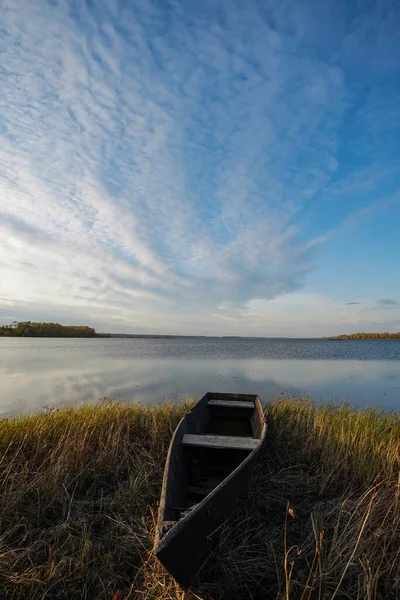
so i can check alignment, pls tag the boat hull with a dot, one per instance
(182, 546)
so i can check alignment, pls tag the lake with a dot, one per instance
(42, 372)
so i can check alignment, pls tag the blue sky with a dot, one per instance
(215, 167)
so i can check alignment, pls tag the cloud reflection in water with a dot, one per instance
(39, 373)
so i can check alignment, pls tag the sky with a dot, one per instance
(223, 167)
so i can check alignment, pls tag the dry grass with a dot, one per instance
(80, 490)
(322, 517)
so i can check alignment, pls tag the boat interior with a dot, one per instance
(228, 430)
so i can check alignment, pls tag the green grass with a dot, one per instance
(80, 486)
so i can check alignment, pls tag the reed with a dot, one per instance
(79, 492)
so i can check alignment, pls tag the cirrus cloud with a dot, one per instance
(159, 163)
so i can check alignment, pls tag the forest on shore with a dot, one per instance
(31, 329)
(367, 336)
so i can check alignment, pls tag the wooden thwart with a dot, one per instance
(220, 441)
(231, 404)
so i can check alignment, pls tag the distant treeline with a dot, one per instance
(30, 329)
(367, 336)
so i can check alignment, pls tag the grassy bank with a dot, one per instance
(79, 491)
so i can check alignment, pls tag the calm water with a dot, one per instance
(35, 373)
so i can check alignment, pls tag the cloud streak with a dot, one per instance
(388, 303)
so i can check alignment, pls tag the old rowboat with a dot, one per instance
(209, 464)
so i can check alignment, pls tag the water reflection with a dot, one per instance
(35, 375)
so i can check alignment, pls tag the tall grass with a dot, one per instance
(322, 517)
(76, 490)
(79, 493)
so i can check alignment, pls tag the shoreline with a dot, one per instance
(81, 487)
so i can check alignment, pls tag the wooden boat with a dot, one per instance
(209, 464)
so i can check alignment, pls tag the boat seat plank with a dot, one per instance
(224, 442)
(231, 403)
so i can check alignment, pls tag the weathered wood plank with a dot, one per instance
(220, 441)
(231, 403)
(199, 491)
